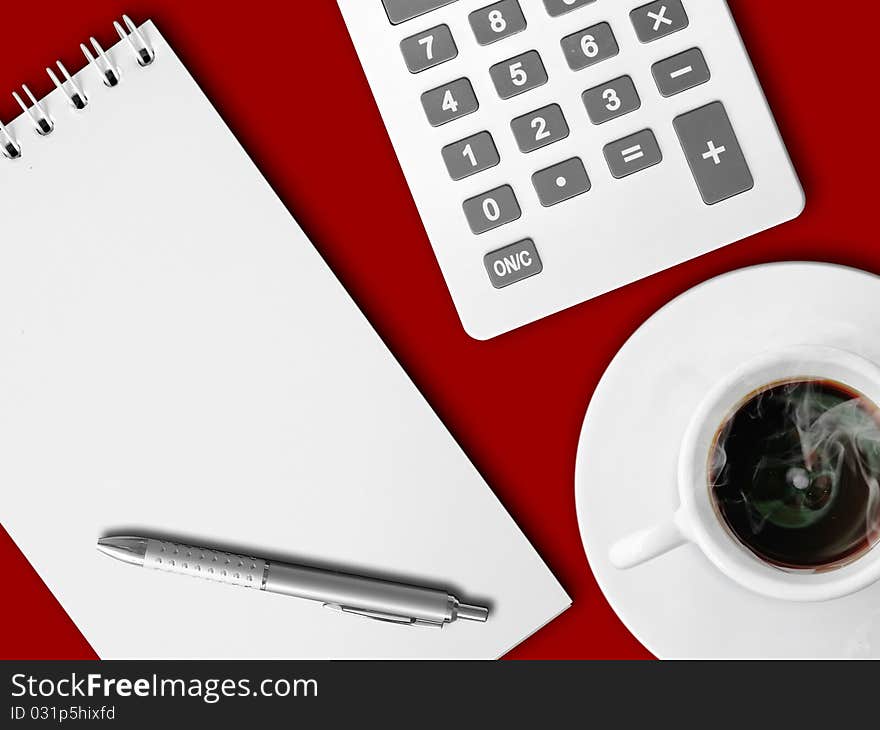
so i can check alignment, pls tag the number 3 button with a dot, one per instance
(611, 100)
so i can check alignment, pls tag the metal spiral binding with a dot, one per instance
(36, 112)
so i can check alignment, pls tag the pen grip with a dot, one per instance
(222, 567)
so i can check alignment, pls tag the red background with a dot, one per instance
(286, 79)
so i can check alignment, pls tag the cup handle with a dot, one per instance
(645, 545)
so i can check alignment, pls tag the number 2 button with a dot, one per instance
(445, 103)
(611, 100)
(539, 128)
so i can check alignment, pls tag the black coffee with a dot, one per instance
(795, 474)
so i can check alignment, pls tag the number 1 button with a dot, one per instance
(445, 103)
(470, 155)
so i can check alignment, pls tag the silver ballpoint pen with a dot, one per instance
(370, 597)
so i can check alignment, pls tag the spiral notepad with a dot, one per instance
(176, 358)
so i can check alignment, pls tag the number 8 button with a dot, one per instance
(497, 21)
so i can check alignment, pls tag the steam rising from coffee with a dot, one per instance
(795, 474)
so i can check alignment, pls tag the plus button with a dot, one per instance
(714, 152)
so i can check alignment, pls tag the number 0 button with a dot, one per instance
(470, 155)
(492, 209)
(497, 21)
(445, 103)
(518, 74)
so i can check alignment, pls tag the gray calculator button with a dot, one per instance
(497, 21)
(539, 128)
(403, 10)
(428, 49)
(450, 101)
(470, 155)
(611, 100)
(492, 209)
(658, 19)
(681, 72)
(518, 74)
(632, 154)
(560, 7)
(589, 46)
(713, 153)
(561, 182)
(513, 263)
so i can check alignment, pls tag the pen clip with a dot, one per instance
(385, 617)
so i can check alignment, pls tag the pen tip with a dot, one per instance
(127, 549)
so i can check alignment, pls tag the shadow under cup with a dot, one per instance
(794, 474)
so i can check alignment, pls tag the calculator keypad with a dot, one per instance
(539, 128)
(706, 135)
(497, 21)
(589, 46)
(451, 101)
(659, 19)
(492, 209)
(518, 75)
(470, 155)
(681, 72)
(428, 49)
(611, 100)
(399, 11)
(561, 182)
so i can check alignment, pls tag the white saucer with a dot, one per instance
(680, 605)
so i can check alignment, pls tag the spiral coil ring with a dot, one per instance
(36, 111)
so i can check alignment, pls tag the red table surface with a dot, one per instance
(286, 79)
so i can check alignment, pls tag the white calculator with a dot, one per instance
(559, 149)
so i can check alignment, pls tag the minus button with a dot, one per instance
(681, 72)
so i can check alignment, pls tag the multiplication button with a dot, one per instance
(713, 153)
(659, 19)
(513, 263)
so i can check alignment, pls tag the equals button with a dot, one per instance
(681, 72)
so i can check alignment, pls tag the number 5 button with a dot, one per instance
(490, 210)
(518, 74)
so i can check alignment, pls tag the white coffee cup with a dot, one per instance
(696, 520)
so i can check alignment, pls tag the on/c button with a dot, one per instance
(513, 263)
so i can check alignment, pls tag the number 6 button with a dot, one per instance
(492, 209)
(589, 46)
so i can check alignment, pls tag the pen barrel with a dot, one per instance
(358, 592)
(222, 567)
